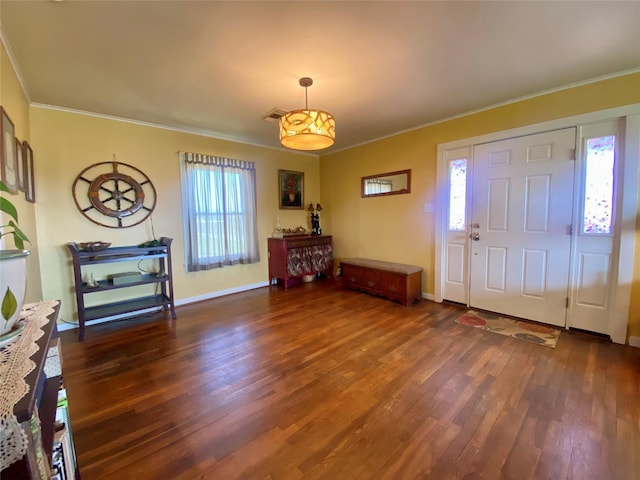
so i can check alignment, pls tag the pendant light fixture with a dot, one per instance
(307, 129)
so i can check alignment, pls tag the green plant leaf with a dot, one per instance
(18, 236)
(7, 207)
(9, 304)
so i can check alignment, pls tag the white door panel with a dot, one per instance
(455, 263)
(534, 272)
(593, 279)
(522, 204)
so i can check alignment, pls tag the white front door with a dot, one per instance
(522, 197)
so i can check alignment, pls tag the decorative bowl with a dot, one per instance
(94, 246)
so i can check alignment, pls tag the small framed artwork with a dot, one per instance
(291, 189)
(29, 178)
(8, 158)
(21, 166)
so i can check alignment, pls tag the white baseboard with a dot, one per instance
(221, 293)
(634, 342)
(428, 296)
(62, 326)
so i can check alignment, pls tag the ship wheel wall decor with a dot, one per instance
(114, 194)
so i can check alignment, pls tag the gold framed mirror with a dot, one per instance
(391, 183)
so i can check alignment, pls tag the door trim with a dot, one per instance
(630, 154)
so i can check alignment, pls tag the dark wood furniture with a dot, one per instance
(164, 299)
(290, 258)
(396, 281)
(42, 398)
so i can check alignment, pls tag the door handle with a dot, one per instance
(475, 236)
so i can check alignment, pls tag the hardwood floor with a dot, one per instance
(325, 383)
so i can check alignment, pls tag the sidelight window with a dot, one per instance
(457, 194)
(598, 197)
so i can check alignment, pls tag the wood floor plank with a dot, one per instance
(320, 382)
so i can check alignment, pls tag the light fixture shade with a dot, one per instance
(307, 129)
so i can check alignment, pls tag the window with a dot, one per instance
(457, 194)
(219, 211)
(598, 197)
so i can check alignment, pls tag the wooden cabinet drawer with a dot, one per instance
(362, 277)
(372, 279)
(394, 283)
(353, 276)
(294, 242)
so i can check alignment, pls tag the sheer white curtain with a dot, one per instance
(219, 211)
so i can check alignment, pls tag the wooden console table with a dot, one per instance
(133, 306)
(290, 258)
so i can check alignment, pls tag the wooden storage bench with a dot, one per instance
(395, 281)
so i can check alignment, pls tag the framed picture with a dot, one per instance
(8, 158)
(291, 189)
(29, 178)
(21, 166)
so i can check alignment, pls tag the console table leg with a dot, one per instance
(80, 329)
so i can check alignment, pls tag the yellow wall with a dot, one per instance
(66, 143)
(396, 228)
(15, 103)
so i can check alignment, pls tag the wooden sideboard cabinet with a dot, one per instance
(290, 258)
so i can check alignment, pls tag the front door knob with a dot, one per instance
(475, 236)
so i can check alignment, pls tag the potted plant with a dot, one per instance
(13, 267)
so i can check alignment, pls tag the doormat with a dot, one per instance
(527, 331)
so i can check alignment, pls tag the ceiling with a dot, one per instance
(216, 68)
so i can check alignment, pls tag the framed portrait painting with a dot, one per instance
(291, 189)
(8, 157)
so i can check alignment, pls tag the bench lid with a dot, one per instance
(381, 265)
